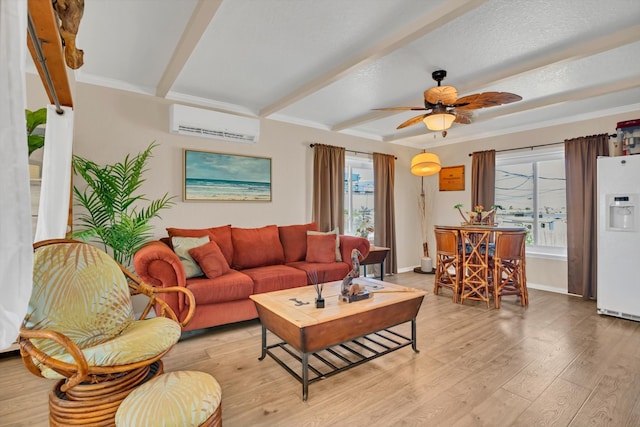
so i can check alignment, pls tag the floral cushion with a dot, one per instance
(181, 398)
(141, 340)
(80, 292)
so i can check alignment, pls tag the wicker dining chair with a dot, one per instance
(448, 262)
(80, 328)
(475, 264)
(508, 266)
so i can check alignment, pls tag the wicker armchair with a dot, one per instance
(80, 328)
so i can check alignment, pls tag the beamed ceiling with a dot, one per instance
(328, 64)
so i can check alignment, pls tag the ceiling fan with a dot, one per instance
(444, 107)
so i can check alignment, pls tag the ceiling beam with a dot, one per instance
(200, 19)
(520, 68)
(48, 34)
(441, 15)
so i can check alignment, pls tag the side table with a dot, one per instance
(377, 255)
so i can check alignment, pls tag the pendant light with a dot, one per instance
(425, 164)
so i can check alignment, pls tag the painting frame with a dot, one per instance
(451, 178)
(223, 177)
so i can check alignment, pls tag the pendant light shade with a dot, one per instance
(425, 164)
(439, 121)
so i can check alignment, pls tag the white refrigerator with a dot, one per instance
(619, 236)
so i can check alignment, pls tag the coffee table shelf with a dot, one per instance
(332, 360)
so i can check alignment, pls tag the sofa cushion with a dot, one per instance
(275, 277)
(210, 259)
(326, 272)
(256, 247)
(232, 286)
(221, 235)
(181, 246)
(337, 233)
(321, 248)
(294, 240)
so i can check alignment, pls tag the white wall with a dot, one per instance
(110, 124)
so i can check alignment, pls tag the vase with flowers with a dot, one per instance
(478, 216)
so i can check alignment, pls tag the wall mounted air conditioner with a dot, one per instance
(213, 124)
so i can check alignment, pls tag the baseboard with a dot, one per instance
(546, 288)
(530, 285)
(12, 347)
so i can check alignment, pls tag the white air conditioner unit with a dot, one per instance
(213, 124)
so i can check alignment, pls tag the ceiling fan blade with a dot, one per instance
(464, 117)
(402, 109)
(485, 99)
(444, 94)
(412, 121)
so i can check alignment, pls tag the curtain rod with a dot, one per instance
(355, 151)
(531, 147)
(43, 63)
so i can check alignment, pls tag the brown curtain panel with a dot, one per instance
(483, 179)
(384, 207)
(328, 187)
(580, 156)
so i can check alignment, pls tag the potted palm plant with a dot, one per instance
(34, 120)
(35, 138)
(113, 214)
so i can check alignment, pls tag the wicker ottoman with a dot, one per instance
(180, 399)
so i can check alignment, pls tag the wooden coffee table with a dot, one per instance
(342, 335)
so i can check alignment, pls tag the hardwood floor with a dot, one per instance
(556, 362)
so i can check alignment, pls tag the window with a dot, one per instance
(358, 197)
(530, 188)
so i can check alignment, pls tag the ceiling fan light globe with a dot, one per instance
(425, 164)
(440, 121)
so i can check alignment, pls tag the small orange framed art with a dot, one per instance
(451, 178)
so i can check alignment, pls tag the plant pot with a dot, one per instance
(34, 171)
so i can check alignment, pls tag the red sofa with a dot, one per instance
(242, 262)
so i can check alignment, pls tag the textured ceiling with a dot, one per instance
(327, 64)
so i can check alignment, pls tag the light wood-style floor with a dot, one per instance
(556, 362)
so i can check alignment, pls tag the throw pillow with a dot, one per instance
(181, 246)
(210, 259)
(256, 247)
(337, 233)
(321, 248)
(221, 235)
(294, 240)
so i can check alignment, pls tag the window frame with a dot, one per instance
(533, 157)
(352, 162)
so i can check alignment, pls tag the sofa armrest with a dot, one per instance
(157, 265)
(349, 243)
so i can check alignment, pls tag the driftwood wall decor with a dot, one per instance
(69, 14)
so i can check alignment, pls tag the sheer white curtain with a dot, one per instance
(16, 253)
(53, 210)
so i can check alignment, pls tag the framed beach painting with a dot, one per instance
(226, 177)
